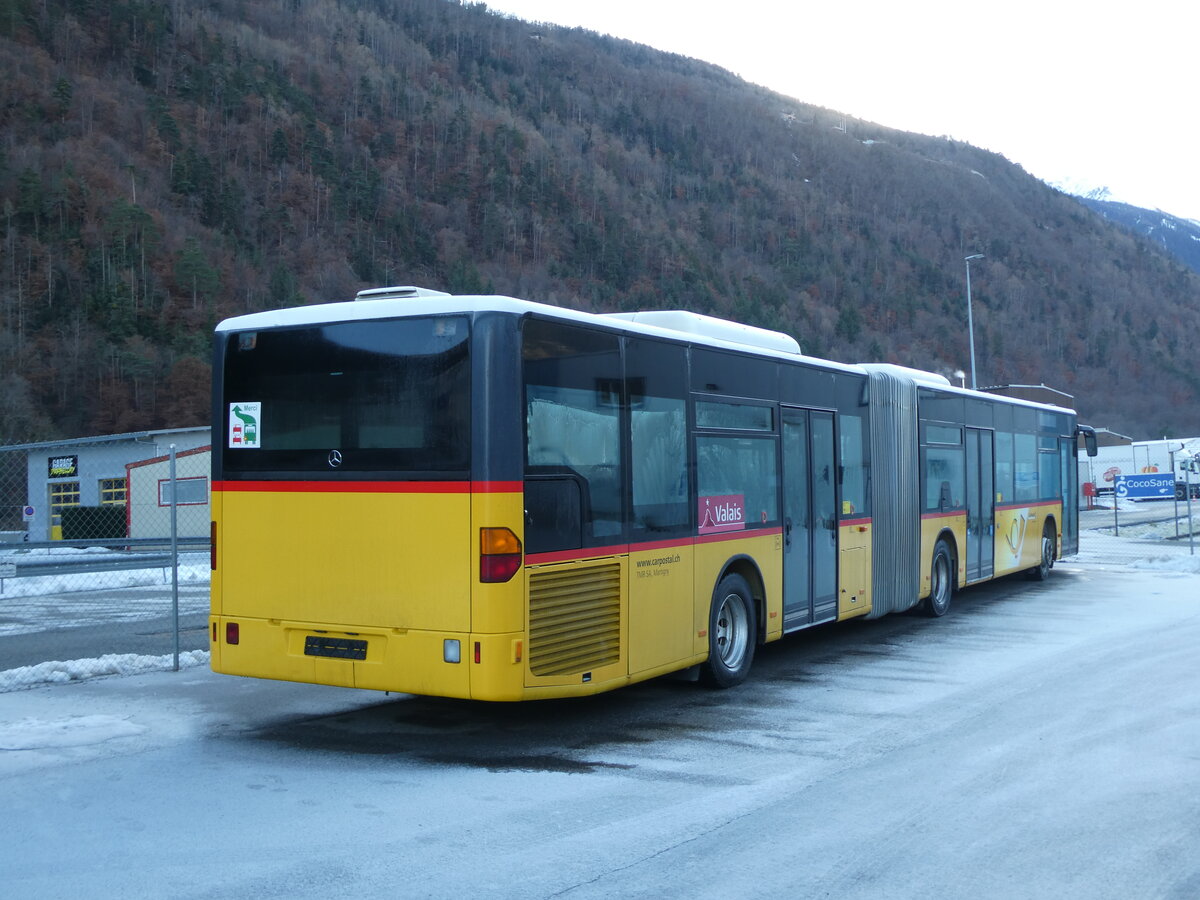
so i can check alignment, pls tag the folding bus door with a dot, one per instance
(981, 516)
(810, 518)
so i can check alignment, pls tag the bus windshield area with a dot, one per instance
(369, 396)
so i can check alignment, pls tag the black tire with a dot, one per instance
(1041, 571)
(941, 582)
(732, 634)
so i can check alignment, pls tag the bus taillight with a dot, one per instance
(499, 555)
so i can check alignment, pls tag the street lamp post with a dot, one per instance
(970, 320)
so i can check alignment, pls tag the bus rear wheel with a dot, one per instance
(1041, 571)
(732, 631)
(941, 582)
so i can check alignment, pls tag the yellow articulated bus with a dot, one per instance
(488, 498)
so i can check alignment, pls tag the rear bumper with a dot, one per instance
(393, 659)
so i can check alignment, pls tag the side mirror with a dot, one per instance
(1089, 438)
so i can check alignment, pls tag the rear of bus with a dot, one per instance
(355, 517)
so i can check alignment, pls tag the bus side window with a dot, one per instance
(853, 469)
(555, 510)
(1048, 469)
(1025, 465)
(1004, 467)
(656, 375)
(945, 476)
(741, 467)
(573, 462)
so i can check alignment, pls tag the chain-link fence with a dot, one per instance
(104, 555)
(1162, 534)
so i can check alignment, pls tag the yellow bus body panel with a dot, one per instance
(496, 608)
(1018, 543)
(373, 559)
(932, 527)
(763, 553)
(854, 570)
(661, 592)
(389, 569)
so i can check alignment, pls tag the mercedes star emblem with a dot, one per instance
(335, 458)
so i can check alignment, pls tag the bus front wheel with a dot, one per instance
(732, 630)
(941, 582)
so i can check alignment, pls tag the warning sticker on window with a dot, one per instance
(245, 425)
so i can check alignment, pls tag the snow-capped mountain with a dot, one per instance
(1179, 237)
(1084, 190)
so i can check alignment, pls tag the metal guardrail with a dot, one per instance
(131, 554)
(87, 565)
(24, 568)
(107, 544)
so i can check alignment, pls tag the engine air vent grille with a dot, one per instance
(574, 619)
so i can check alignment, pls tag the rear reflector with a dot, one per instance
(498, 569)
(232, 632)
(499, 555)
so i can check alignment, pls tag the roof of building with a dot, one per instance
(108, 438)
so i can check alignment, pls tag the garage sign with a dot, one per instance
(64, 466)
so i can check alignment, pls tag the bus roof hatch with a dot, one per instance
(403, 292)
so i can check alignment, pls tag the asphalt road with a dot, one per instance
(1041, 741)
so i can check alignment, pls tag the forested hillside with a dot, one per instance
(166, 164)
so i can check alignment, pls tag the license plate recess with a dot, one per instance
(333, 647)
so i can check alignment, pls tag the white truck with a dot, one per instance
(1141, 458)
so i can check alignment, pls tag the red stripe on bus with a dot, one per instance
(948, 514)
(660, 545)
(537, 559)
(1028, 505)
(866, 521)
(369, 487)
(497, 487)
(737, 535)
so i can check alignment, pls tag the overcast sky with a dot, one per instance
(1073, 90)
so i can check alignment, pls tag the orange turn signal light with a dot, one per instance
(497, 541)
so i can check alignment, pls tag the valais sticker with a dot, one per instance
(725, 513)
(245, 425)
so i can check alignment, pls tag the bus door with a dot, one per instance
(1070, 496)
(981, 496)
(810, 518)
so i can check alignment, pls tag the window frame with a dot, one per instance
(935, 438)
(164, 485)
(108, 487)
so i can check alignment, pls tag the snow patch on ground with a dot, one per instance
(61, 671)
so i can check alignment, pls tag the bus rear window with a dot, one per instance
(377, 396)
